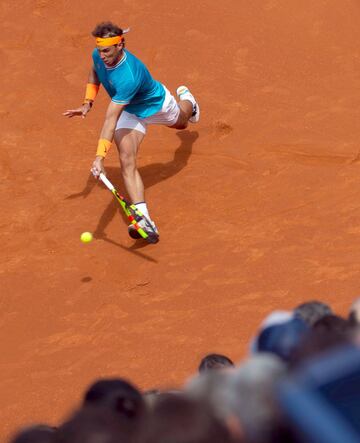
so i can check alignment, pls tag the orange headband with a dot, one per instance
(109, 41)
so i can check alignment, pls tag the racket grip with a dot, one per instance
(106, 181)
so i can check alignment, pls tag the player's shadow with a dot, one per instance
(151, 174)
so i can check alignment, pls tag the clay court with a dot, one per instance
(258, 205)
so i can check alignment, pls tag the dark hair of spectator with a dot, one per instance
(317, 342)
(177, 419)
(106, 29)
(333, 323)
(117, 394)
(353, 319)
(354, 313)
(312, 311)
(215, 361)
(95, 425)
(35, 434)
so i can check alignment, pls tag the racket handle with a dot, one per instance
(106, 181)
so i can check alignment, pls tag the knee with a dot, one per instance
(127, 161)
(181, 124)
(182, 121)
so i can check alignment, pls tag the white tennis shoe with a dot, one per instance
(142, 223)
(184, 93)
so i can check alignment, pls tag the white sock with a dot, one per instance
(142, 207)
(187, 96)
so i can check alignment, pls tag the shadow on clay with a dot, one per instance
(133, 249)
(151, 174)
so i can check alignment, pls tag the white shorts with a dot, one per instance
(167, 116)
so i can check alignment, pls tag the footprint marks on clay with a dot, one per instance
(222, 129)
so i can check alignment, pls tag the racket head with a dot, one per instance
(135, 216)
(147, 232)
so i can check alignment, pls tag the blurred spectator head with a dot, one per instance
(118, 395)
(354, 314)
(281, 339)
(35, 434)
(251, 396)
(179, 419)
(215, 361)
(333, 323)
(153, 395)
(318, 341)
(312, 311)
(211, 387)
(150, 396)
(276, 318)
(243, 398)
(96, 425)
(320, 399)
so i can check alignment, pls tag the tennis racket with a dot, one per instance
(133, 214)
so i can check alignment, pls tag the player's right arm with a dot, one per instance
(92, 89)
(113, 113)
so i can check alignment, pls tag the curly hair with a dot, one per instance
(106, 29)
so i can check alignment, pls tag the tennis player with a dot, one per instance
(137, 100)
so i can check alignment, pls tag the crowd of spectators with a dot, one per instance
(300, 383)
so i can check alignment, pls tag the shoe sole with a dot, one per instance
(153, 237)
(195, 118)
(134, 234)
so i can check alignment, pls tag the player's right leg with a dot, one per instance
(128, 142)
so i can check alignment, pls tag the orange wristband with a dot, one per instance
(91, 92)
(103, 147)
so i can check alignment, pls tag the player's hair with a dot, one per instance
(106, 29)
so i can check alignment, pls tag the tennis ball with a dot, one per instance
(86, 237)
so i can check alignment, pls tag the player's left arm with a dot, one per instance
(112, 115)
(92, 88)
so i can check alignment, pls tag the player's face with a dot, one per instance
(110, 55)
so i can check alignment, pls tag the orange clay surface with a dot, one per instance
(258, 205)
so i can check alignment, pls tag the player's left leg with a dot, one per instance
(189, 108)
(186, 110)
(174, 114)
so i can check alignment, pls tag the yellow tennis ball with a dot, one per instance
(86, 237)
